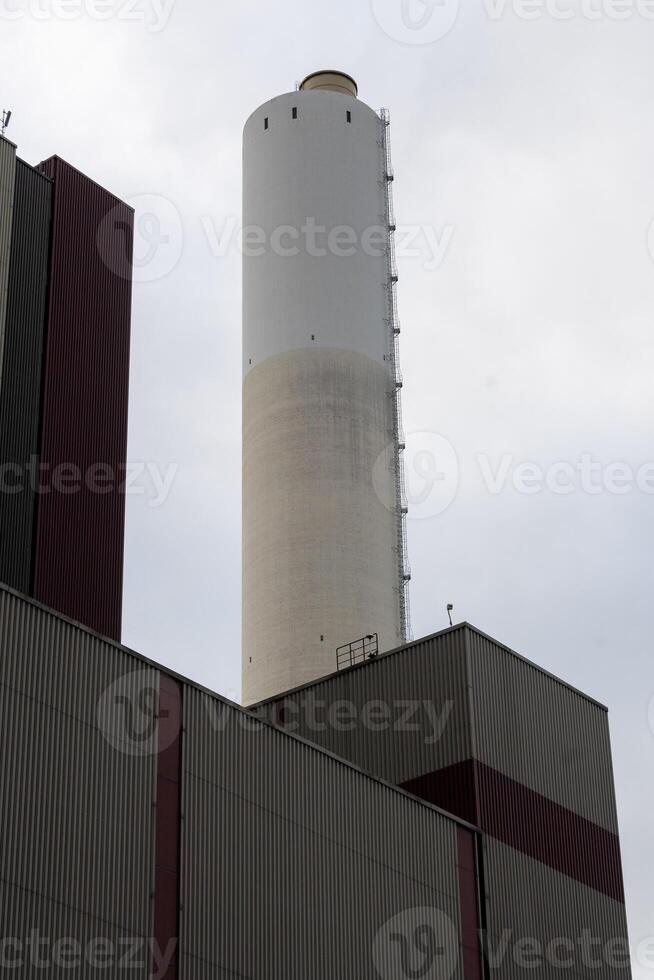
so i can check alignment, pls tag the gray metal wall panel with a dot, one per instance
(20, 394)
(7, 178)
(527, 900)
(24, 913)
(427, 677)
(76, 812)
(541, 733)
(510, 715)
(292, 861)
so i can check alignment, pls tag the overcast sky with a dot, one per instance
(523, 142)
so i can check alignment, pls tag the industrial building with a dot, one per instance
(239, 849)
(464, 723)
(438, 809)
(65, 302)
(140, 810)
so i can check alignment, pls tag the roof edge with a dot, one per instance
(168, 672)
(56, 159)
(425, 639)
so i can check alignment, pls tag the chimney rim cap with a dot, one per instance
(327, 72)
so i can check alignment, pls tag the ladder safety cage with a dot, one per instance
(393, 358)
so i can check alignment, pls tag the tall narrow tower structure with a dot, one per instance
(324, 553)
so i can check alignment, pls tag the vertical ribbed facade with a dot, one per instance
(22, 378)
(78, 567)
(7, 179)
(410, 710)
(301, 859)
(564, 749)
(138, 808)
(469, 725)
(572, 930)
(76, 802)
(141, 810)
(65, 304)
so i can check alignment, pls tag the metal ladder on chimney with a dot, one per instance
(393, 356)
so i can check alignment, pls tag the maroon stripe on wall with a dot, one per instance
(468, 905)
(78, 557)
(451, 788)
(550, 833)
(168, 826)
(528, 821)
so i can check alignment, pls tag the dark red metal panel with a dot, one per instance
(78, 566)
(527, 821)
(469, 905)
(20, 391)
(549, 833)
(451, 788)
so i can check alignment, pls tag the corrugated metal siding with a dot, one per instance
(168, 821)
(541, 733)
(76, 814)
(548, 832)
(24, 913)
(7, 176)
(20, 394)
(428, 676)
(531, 901)
(79, 547)
(292, 862)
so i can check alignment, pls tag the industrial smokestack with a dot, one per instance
(323, 545)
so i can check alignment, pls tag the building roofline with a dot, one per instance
(168, 672)
(105, 190)
(425, 639)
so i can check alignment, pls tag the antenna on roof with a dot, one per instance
(450, 609)
(6, 116)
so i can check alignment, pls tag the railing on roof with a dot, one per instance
(366, 648)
